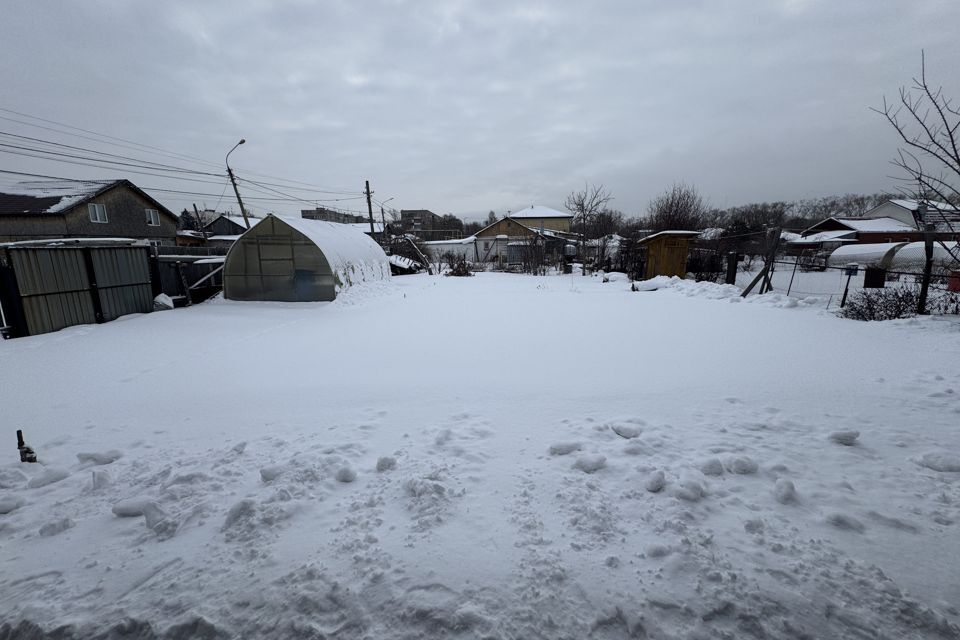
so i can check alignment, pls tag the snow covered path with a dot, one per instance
(494, 457)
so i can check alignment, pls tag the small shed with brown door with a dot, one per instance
(666, 253)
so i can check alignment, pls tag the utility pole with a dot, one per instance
(370, 207)
(233, 181)
(203, 229)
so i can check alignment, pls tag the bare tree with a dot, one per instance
(586, 205)
(927, 122)
(682, 208)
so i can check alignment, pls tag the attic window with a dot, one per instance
(153, 217)
(98, 212)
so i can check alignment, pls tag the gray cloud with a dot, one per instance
(468, 106)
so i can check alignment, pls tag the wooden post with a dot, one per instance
(927, 269)
(92, 280)
(731, 268)
(767, 285)
(183, 283)
(790, 286)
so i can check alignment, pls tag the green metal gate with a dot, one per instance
(56, 287)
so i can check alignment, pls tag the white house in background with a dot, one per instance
(941, 214)
(891, 222)
(539, 217)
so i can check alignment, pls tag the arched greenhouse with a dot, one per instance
(298, 260)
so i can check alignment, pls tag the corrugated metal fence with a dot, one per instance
(45, 289)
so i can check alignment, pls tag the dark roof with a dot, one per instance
(19, 205)
(56, 198)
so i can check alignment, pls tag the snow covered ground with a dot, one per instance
(502, 456)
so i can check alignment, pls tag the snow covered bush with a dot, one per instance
(881, 304)
(460, 268)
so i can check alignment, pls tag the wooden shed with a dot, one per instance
(666, 253)
(297, 260)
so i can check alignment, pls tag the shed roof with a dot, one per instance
(236, 219)
(674, 233)
(876, 224)
(841, 235)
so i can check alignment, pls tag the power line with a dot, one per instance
(158, 165)
(95, 133)
(157, 150)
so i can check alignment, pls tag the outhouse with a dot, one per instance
(666, 253)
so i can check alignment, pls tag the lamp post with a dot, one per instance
(233, 181)
(383, 217)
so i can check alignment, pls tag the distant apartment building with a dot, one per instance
(330, 215)
(419, 221)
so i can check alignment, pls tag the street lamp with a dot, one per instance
(233, 181)
(383, 218)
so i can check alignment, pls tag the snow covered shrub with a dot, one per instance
(944, 303)
(881, 304)
(460, 268)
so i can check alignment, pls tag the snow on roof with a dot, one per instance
(539, 211)
(49, 196)
(912, 205)
(876, 224)
(913, 256)
(347, 250)
(879, 254)
(711, 233)
(440, 243)
(843, 235)
(73, 242)
(675, 233)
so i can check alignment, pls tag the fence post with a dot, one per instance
(153, 260)
(183, 283)
(87, 253)
(767, 285)
(731, 267)
(796, 263)
(927, 269)
(851, 270)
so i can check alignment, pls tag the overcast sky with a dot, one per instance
(463, 107)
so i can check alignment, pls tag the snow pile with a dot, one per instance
(398, 480)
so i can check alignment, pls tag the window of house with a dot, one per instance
(98, 212)
(153, 217)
